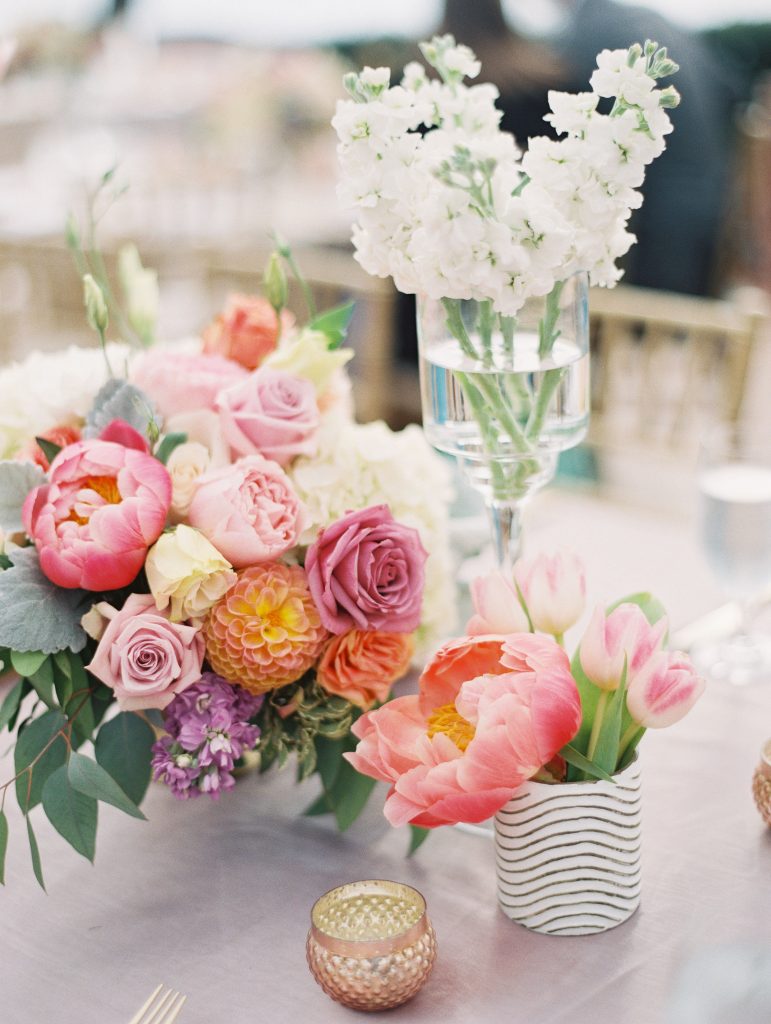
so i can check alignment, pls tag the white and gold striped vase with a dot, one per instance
(568, 855)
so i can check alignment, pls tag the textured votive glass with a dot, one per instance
(371, 945)
(761, 783)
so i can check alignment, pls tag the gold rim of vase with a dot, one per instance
(765, 759)
(375, 946)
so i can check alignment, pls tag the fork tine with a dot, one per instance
(158, 1015)
(137, 1018)
(174, 1011)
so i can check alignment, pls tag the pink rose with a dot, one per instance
(271, 413)
(183, 381)
(103, 507)
(247, 330)
(248, 511)
(366, 571)
(143, 657)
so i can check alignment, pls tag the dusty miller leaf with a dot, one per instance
(17, 479)
(119, 400)
(35, 614)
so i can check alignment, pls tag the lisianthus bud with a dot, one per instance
(96, 307)
(274, 283)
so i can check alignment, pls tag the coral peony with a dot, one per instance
(246, 330)
(145, 658)
(180, 382)
(93, 522)
(271, 413)
(362, 665)
(248, 511)
(366, 571)
(462, 758)
(265, 632)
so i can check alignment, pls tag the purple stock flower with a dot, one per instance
(208, 731)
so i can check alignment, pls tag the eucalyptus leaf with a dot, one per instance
(319, 806)
(79, 709)
(89, 778)
(26, 663)
(418, 836)
(10, 706)
(17, 479)
(30, 746)
(35, 854)
(329, 759)
(43, 683)
(123, 747)
(35, 614)
(349, 795)
(3, 845)
(72, 814)
(119, 400)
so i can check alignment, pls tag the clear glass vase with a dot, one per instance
(505, 395)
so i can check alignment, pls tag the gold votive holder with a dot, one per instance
(371, 945)
(761, 783)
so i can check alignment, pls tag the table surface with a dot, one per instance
(213, 899)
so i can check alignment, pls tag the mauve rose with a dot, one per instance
(248, 511)
(271, 413)
(183, 381)
(143, 657)
(366, 571)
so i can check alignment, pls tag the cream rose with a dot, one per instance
(184, 569)
(186, 463)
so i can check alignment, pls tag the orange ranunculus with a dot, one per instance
(246, 331)
(61, 436)
(362, 665)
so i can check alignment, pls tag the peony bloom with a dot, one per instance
(265, 632)
(271, 413)
(554, 590)
(180, 382)
(93, 522)
(185, 570)
(145, 658)
(462, 758)
(496, 605)
(246, 330)
(664, 691)
(61, 436)
(366, 571)
(248, 511)
(309, 356)
(362, 665)
(610, 639)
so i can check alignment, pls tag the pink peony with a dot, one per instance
(143, 657)
(182, 381)
(664, 691)
(103, 507)
(248, 511)
(462, 758)
(366, 571)
(623, 635)
(246, 331)
(271, 413)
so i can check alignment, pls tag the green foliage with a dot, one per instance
(344, 791)
(119, 400)
(334, 323)
(10, 707)
(48, 448)
(89, 778)
(17, 479)
(72, 814)
(3, 845)
(35, 614)
(38, 753)
(168, 444)
(35, 854)
(418, 836)
(123, 747)
(583, 765)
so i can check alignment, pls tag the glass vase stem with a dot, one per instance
(506, 530)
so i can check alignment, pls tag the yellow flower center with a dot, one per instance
(447, 719)
(106, 487)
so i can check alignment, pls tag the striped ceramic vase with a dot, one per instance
(568, 856)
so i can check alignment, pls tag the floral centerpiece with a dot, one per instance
(203, 556)
(497, 244)
(504, 705)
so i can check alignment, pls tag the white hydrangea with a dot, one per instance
(360, 465)
(446, 205)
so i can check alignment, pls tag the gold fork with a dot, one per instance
(162, 1007)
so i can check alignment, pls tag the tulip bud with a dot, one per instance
(274, 283)
(664, 691)
(96, 307)
(623, 635)
(497, 607)
(553, 589)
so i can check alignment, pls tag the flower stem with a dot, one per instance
(599, 714)
(629, 741)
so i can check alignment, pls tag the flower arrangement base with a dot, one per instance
(568, 856)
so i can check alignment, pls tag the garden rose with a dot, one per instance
(186, 464)
(664, 691)
(93, 522)
(462, 758)
(246, 330)
(184, 569)
(609, 640)
(362, 665)
(183, 381)
(366, 571)
(248, 511)
(145, 658)
(61, 436)
(554, 590)
(271, 413)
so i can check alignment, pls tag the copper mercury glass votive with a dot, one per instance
(761, 783)
(371, 945)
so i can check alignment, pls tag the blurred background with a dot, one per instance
(217, 117)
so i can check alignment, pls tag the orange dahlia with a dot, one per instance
(265, 632)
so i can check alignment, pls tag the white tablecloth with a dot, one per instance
(214, 899)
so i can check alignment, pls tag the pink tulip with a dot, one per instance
(623, 634)
(665, 691)
(496, 605)
(554, 590)
(103, 507)
(462, 758)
